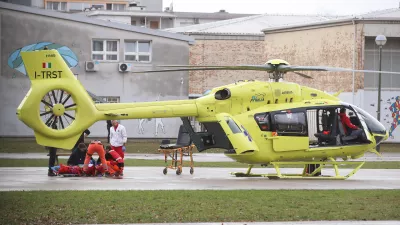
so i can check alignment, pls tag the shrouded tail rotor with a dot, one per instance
(58, 109)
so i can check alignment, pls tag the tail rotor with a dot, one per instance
(58, 109)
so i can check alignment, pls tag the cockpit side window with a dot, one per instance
(264, 121)
(234, 127)
(373, 124)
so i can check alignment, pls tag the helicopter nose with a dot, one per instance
(386, 136)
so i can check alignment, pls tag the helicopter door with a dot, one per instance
(290, 131)
(237, 134)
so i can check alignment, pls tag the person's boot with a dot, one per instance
(107, 174)
(51, 173)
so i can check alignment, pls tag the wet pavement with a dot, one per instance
(198, 157)
(152, 178)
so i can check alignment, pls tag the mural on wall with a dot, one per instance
(394, 109)
(159, 123)
(15, 59)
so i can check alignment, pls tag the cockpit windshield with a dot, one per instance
(373, 124)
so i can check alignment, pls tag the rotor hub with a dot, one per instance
(58, 109)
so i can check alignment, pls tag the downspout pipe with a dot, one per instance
(354, 59)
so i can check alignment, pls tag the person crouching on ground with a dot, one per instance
(78, 155)
(115, 163)
(95, 146)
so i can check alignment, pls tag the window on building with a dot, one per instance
(119, 6)
(111, 6)
(291, 123)
(106, 50)
(107, 99)
(57, 6)
(139, 51)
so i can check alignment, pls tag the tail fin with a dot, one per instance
(57, 107)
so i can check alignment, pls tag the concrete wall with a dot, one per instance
(330, 46)
(21, 29)
(152, 5)
(38, 3)
(224, 52)
(389, 30)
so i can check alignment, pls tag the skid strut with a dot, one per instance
(305, 174)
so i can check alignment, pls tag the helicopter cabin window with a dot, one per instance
(291, 123)
(263, 121)
(234, 127)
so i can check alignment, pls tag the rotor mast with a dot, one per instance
(276, 75)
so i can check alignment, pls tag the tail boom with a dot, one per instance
(159, 109)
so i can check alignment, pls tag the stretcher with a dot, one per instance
(183, 146)
(177, 164)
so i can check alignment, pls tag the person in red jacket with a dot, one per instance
(355, 131)
(115, 163)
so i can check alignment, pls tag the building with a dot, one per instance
(192, 18)
(349, 43)
(233, 42)
(100, 47)
(87, 5)
(160, 19)
(143, 13)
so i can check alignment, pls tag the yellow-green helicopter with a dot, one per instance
(256, 122)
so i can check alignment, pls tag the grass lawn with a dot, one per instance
(25, 145)
(160, 163)
(78, 207)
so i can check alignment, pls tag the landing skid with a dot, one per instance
(305, 175)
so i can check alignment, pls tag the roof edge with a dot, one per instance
(329, 23)
(84, 19)
(306, 26)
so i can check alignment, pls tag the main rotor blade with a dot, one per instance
(285, 68)
(303, 75)
(191, 68)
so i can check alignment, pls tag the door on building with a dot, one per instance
(154, 24)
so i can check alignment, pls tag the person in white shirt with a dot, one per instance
(118, 137)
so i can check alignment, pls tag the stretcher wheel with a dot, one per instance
(178, 171)
(191, 170)
(165, 170)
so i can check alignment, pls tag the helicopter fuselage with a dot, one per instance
(261, 122)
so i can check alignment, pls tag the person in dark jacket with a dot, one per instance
(77, 157)
(109, 125)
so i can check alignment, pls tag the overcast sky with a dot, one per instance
(333, 7)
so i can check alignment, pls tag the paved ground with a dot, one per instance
(198, 157)
(151, 178)
(288, 223)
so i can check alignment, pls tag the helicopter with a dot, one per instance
(255, 122)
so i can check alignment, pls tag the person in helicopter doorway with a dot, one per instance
(348, 126)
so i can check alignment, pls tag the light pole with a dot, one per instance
(380, 40)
